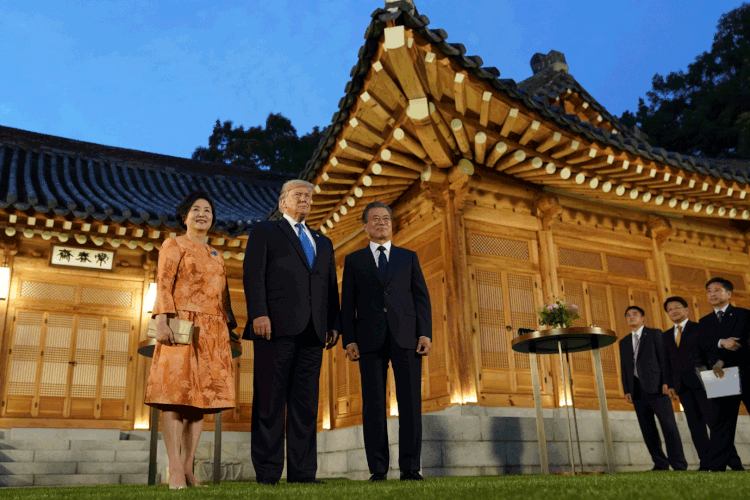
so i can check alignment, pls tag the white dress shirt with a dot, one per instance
(683, 328)
(307, 231)
(374, 249)
(636, 336)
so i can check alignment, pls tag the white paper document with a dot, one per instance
(716, 387)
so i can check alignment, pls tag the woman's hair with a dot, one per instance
(187, 202)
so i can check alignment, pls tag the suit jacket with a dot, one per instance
(280, 284)
(370, 305)
(653, 370)
(735, 323)
(684, 359)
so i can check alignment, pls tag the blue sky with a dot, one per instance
(155, 75)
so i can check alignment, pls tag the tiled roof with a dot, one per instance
(537, 100)
(57, 176)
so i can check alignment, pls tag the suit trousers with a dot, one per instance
(698, 415)
(286, 379)
(646, 407)
(407, 373)
(722, 449)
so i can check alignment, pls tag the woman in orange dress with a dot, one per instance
(188, 381)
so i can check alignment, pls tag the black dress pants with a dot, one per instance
(286, 379)
(646, 407)
(697, 413)
(407, 372)
(722, 450)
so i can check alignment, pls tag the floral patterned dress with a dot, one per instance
(191, 284)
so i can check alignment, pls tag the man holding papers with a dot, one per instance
(646, 381)
(724, 344)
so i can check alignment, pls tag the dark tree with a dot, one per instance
(706, 110)
(275, 147)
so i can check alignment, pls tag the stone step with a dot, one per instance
(16, 480)
(16, 455)
(46, 468)
(36, 444)
(75, 479)
(109, 445)
(112, 468)
(78, 455)
(35, 434)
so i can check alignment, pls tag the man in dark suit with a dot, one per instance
(385, 310)
(646, 382)
(292, 298)
(725, 344)
(683, 356)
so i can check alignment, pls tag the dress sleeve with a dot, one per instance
(169, 261)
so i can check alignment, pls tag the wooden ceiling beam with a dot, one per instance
(402, 63)
(430, 136)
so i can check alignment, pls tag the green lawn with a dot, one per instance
(627, 485)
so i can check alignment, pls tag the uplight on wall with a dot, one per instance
(4, 282)
(150, 299)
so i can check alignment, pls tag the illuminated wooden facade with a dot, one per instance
(509, 192)
(70, 335)
(512, 193)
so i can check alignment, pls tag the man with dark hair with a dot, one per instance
(386, 317)
(725, 344)
(646, 381)
(683, 357)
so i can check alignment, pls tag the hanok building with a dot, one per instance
(81, 225)
(509, 192)
(513, 193)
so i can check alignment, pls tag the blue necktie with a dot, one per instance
(382, 262)
(306, 244)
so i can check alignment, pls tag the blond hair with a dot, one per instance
(289, 185)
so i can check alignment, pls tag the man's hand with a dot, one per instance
(352, 352)
(672, 395)
(423, 347)
(665, 390)
(332, 338)
(262, 327)
(629, 398)
(164, 334)
(718, 371)
(730, 344)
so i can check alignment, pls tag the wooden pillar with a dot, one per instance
(464, 363)
(142, 413)
(660, 230)
(548, 211)
(9, 251)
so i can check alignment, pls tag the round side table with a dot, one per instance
(567, 340)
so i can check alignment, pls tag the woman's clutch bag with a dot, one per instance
(181, 329)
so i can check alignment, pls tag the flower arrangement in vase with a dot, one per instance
(558, 314)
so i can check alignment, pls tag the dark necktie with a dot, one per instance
(719, 314)
(382, 262)
(306, 244)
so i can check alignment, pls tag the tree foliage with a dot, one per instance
(274, 147)
(706, 110)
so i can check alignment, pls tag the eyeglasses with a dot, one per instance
(375, 219)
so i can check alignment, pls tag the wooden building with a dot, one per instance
(80, 229)
(509, 192)
(512, 193)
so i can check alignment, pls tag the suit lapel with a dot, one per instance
(392, 263)
(369, 263)
(286, 228)
(642, 343)
(729, 319)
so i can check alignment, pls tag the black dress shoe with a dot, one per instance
(268, 482)
(660, 468)
(411, 475)
(703, 469)
(378, 478)
(307, 481)
(737, 468)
